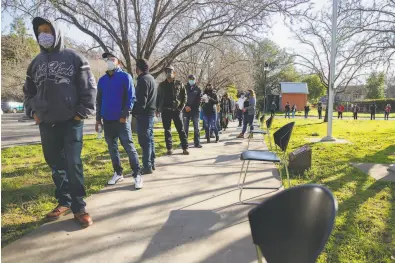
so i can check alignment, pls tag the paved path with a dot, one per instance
(187, 212)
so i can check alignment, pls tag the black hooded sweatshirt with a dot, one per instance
(59, 83)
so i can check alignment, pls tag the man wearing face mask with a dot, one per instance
(60, 92)
(115, 99)
(191, 110)
(170, 102)
(144, 109)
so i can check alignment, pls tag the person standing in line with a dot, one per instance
(306, 111)
(210, 101)
(387, 111)
(115, 100)
(319, 110)
(170, 102)
(60, 92)
(273, 109)
(373, 108)
(340, 110)
(293, 111)
(249, 112)
(355, 111)
(144, 110)
(191, 110)
(226, 110)
(239, 108)
(287, 110)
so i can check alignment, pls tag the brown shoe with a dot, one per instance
(57, 212)
(241, 135)
(83, 218)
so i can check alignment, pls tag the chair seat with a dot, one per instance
(257, 155)
(258, 131)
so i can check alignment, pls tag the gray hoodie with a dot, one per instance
(59, 84)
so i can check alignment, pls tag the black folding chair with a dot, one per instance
(294, 225)
(281, 139)
(261, 131)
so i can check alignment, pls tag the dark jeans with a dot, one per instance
(114, 130)
(306, 114)
(386, 115)
(287, 113)
(372, 116)
(211, 125)
(167, 116)
(355, 115)
(320, 114)
(224, 120)
(240, 116)
(248, 120)
(62, 146)
(219, 122)
(194, 117)
(339, 114)
(271, 113)
(145, 134)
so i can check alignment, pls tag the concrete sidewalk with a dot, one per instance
(187, 212)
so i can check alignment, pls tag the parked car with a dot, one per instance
(12, 106)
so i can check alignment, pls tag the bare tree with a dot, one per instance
(158, 30)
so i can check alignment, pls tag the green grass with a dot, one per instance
(314, 113)
(28, 189)
(365, 224)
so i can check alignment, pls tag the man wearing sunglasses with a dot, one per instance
(170, 102)
(115, 98)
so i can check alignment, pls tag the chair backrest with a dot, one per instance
(269, 122)
(283, 135)
(294, 225)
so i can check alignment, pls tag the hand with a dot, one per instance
(36, 119)
(244, 110)
(77, 118)
(97, 125)
(187, 109)
(122, 120)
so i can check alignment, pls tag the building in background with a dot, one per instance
(351, 93)
(294, 93)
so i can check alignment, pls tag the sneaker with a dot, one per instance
(217, 140)
(115, 179)
(198, 146)
(153, 167)
(208, 140)
(83, 218)
(138, 182)
(241, 135)
(185, 152)
(147, 171)
(57, 212)
(169, 152)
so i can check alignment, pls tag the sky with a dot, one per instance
(279, 32)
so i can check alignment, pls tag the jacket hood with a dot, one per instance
(59, 40)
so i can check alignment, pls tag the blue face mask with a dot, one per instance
(191, 82)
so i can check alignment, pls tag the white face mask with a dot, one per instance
(111, 65)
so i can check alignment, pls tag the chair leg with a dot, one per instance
(241, 172)
(242, 184)
(286, 169)
(259, 254)
(249, 139)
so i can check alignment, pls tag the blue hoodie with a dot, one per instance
(115, 96)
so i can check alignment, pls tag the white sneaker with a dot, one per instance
(138, 182)
(115, 179)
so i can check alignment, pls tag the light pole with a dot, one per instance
(265, 70)
(332, 73)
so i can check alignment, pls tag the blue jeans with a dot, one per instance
(287, 113)
(248, 120)
(145, 133)
(211, 125)
(114, 130)
(62, 146)
(194, 116)
(293, 115)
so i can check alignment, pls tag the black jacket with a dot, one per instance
(179, 95)
(146, 92)
(373, 108)
(210, 108)
(194, 96)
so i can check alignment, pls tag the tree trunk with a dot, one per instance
(326, 111)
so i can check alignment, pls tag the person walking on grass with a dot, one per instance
(306, 111)
(319, 110)
(287, 110)
(226, 111)
(387, 111)
(210, 101)
(294, 109)
(373, 108)
(191, 110)
(144, 110)
(340, 110)
(355, 111)
(170, 102)
(249, 112)
(273, 109)
(115, 98)
(60, 92)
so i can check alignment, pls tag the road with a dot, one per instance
(15, 133)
